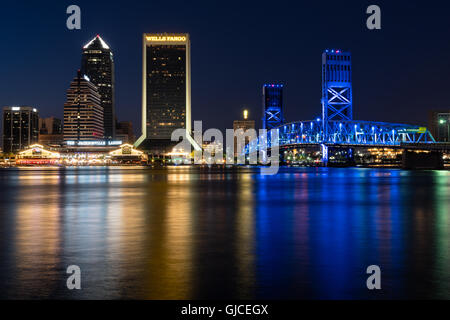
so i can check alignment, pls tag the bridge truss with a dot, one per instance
(344, 132)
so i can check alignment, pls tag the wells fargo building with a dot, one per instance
(166, 90)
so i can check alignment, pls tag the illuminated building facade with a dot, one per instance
(98, 64)
(37, 155)
(337, 94)
(439, 124)
(20, 128)
(166, 90)
(245, 125)
(83, 114)
(272, 106)
(126, 154)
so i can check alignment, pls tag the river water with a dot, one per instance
(192, 233)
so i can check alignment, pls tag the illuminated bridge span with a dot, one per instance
(345, 132)
(337, 135)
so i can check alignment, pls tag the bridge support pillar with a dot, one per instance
(324, 148)
(422, 160)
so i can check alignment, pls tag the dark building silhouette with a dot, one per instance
(50, 125)
(98, 64)
(20, 128)
(83, 114)
(439, 125)
(124, 132)
(50, 131)
(272, 106)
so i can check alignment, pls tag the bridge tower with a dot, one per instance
(272, 106)
(337, 100)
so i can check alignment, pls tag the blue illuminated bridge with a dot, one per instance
(338, 131)
(351, 134)
(345, 133)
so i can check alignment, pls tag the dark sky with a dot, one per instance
(399, 72)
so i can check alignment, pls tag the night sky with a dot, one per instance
(399, 72)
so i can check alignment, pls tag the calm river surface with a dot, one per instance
(190, 233)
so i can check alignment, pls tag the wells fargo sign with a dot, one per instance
(158, 38)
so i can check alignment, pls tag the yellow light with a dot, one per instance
(245, 114)
(166, 38)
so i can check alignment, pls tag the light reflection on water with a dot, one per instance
(186, 233)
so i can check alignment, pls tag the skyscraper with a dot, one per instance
(98, 64)
(337, 96)
(83, 114)
(272, 106)
(166, 90)
(20, 128)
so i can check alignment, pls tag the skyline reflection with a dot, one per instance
(190, 233)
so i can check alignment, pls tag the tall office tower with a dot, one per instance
(98, 64)
(439, 125)
(337, 100)
(83, 114)
(20, 128)
(272, 106)
(166, 90)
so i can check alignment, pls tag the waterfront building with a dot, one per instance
(166, 91)
(127, 154)
(337, 92)
(37, 155)
(244, 124)
(20, 128)
(83, 114)
(98, 64)
(439, 125)
(272, 106)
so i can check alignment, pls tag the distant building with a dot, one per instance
(337, 92)
(20, 128)
(50, 131)
(245, 125)
(272, 106)
(98, 64)
(166, 100)
(439, 125)
(83, 114)
(124, 132)
(50, 125)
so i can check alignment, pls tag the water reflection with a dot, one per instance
(184, 233)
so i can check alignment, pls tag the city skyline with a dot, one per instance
(378, 96)
(224, 159)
